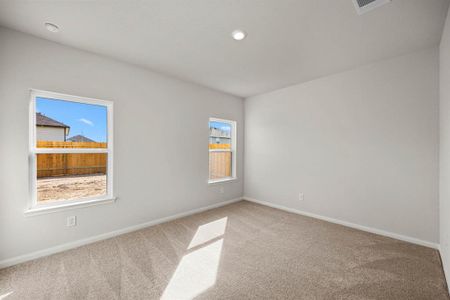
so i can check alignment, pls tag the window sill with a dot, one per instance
(40, 210)
(222, 180)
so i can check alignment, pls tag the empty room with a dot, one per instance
(224, 149)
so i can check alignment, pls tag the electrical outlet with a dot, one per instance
(301, 196)
(71, 221)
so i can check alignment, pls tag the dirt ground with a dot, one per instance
(71, 187)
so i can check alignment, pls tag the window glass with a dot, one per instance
(219, 135)
(70, 150)
(68, 124)
(70, 176)
(220, 149)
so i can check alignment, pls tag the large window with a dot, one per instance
(222, 150)
(71, 151)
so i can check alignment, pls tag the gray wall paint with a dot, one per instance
(361, 145)
(444, 148)
(156, 175)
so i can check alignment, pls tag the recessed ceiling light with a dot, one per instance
(51, 27)
(238, 35)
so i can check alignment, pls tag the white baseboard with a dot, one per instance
(75, 244)
(348, 224)
(445, 268)
(67, 246)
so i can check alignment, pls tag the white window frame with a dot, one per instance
(233, 151)
(37, 208)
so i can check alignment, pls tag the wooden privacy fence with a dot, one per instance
(58, 144)
(219, 164)
(70, 163)
(219, 146)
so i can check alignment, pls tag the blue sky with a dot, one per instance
(224, 126)
(86, 119)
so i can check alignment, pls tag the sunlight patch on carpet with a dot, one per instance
(208, 232)
(5, 295)
(197, 270)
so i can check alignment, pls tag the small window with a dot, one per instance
(71, 150)
(222, 150)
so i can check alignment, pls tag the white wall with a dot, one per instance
(50, 133)
(444, 148)
(361, 145)
(155, 174)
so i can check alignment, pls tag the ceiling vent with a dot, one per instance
(363, 6)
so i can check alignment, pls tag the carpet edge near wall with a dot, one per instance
(8, 262)
(78, 243)
(381, 232)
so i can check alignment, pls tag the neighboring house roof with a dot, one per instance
(80, 138)
(42, 120)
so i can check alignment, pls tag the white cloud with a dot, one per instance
(86, 121)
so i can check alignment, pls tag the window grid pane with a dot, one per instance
(220, 164)
(71, 176)
(61, 123)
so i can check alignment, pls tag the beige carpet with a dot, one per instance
(240, 251)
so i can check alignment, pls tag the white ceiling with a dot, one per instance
(289, 41)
